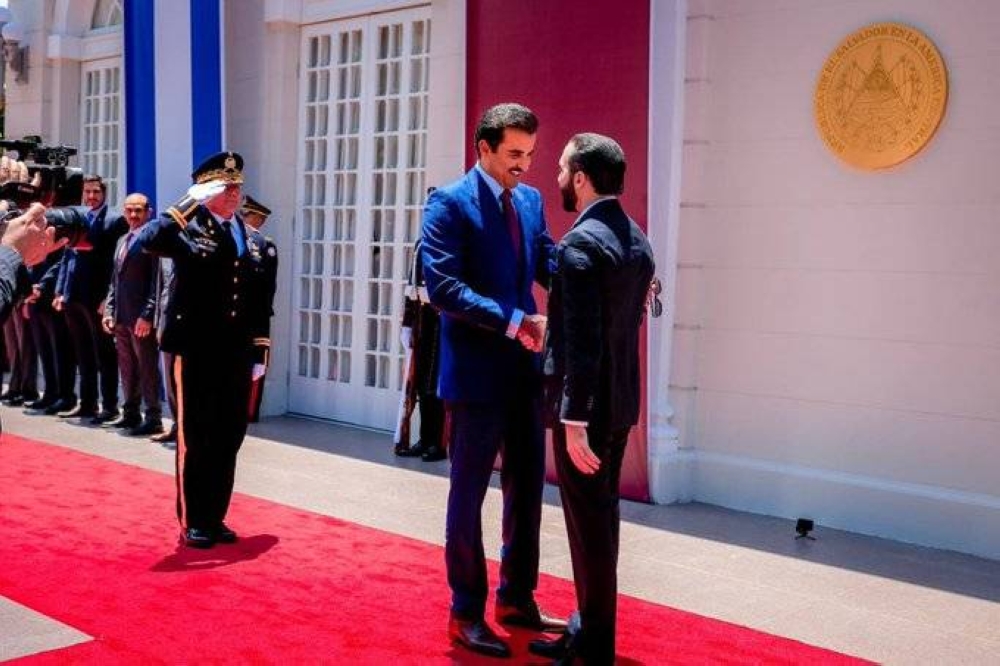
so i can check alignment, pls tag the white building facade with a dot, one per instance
(831, 347)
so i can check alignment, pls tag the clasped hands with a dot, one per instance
(531, 332)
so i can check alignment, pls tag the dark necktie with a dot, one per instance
(513, 226)
(227, 226)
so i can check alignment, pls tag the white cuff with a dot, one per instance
(516, 317)
(582, 424)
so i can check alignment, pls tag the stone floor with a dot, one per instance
(882, 600)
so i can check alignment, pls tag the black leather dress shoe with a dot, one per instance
(225, 535)
(125, 422)
(434, 453)
(37, 406)
(13, 400)
(59, 406)
(146, 428)
(414, 451)
(168, 436)
(528, 615)
(79, 412)
(477, 636)
(104, 416)
(198, 538)
(555, 648)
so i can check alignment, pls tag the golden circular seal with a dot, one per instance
(881, 95)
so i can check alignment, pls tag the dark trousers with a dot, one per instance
(212, 393)
(139, 363)
(169, 387)
(95, 355)
(56, 352)
(431, 419)
(590, 505)
(21, 355)
(478, 431)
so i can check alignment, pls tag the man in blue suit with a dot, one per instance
(84, 276)
(484, 243)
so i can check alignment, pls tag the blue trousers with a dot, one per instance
(478, 432)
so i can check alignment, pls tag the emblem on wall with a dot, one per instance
(881, 95)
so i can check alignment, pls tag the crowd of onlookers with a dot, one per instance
(90, 324)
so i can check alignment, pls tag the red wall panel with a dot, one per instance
(581, 67)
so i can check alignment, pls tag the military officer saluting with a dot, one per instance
(217, 326)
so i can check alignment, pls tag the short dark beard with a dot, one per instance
(569, 198)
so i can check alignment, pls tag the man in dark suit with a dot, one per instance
(25, 242)
(216, 326)
(591, 366)
(128, 315)
(80, 290)
(484, 243)
(52, 341)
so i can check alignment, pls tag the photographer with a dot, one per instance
(26, 241)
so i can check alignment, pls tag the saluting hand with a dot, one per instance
(202, 192)
(578, 448)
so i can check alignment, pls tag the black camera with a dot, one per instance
(53, 183)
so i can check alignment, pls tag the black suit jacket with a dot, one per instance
(596, 305)
(84, 274)
(132, 293)
(218, 299)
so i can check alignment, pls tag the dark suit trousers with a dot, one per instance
(478, 431)
(139, 362)
(21, 355)
(213, 388)
(590, 505)
(95, 353)
(56, 352)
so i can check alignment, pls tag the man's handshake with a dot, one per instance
(531, 333)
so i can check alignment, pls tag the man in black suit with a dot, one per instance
(217, 326)
(82, 285)
(52, 341)
(591, 365)
(128, 315)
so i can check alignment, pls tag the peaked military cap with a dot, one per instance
(251, 205)
(226, 166)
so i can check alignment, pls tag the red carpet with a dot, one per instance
(92, 543)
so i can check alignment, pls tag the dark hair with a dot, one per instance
(94, 178)
(498, 118)
(601, 159)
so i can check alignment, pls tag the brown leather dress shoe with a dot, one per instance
(529, 616)
(477, 636)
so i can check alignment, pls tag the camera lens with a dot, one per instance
(69, 222)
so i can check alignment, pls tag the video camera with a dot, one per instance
(53, 183)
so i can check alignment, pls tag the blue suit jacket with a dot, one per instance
(84, 275)
(473, 279)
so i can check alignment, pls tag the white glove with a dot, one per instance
(202, 192)
(258, 371)
(406, 337)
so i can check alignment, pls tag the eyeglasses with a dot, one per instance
(653, 303)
